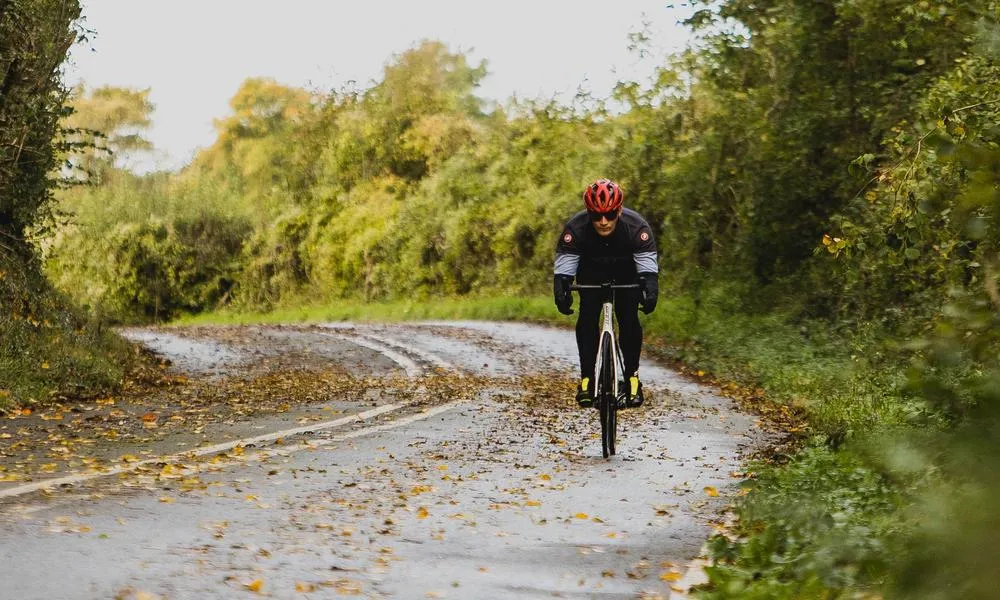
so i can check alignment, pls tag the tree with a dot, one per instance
(106, 126)
(34, 39)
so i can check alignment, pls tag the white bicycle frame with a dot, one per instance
(607, 326)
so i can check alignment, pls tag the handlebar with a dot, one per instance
(606, 286)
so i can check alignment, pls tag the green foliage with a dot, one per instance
(34, 38)
(818, 526)
(146, 248)
(154, 270)
(847, 384)
(48, 348)
(521, 308)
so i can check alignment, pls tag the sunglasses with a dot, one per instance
(611, 215)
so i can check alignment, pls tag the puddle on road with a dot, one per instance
(188, 355)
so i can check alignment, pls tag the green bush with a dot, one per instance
(818, 527)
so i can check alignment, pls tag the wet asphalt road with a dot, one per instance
(490, 494)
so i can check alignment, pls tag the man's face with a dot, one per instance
(605, 223)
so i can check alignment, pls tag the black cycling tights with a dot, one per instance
(588, 327)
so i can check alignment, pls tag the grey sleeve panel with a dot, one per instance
(645, 262)
(566, 264)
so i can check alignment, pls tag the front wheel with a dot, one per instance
(606, 397)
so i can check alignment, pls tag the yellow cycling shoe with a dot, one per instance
(584, 395)
(635, 397)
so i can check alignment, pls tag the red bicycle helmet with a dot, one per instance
(603, 196)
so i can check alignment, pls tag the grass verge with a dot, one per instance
(532, 308)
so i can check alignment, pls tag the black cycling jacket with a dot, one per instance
(619, 257)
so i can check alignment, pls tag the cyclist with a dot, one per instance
(607, 242)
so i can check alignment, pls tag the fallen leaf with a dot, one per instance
(711, 491)
(255, 585)
(422, 513)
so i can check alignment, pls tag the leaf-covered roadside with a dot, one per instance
(157, 412)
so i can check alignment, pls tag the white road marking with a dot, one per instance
(412, 369)
(214, 449)
(429, 357)
(372, 429)
(263, 454)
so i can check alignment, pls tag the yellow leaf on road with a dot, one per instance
(255, 585)
(711, 491)
(670, 576)
(170, 472)
(582, 516)
(422, 513)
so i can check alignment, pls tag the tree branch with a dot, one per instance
(918, 149)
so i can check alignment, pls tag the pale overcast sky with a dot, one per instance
(194, 54)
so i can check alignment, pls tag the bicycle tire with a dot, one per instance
(608, 401)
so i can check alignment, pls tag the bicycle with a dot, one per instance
(609, 370)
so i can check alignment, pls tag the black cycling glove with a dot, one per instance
(562, 294)
(649, 289)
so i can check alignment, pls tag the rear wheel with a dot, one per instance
(606, 397)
